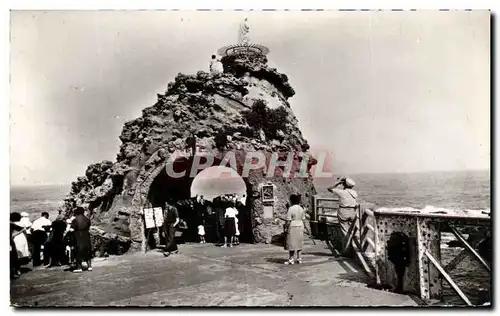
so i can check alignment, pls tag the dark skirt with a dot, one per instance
(82, 247)
(230, 227)
(171, 245)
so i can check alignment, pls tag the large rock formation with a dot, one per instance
(245, 109)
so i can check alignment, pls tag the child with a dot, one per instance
(201, 233)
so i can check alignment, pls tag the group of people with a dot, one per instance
(222, 215)
(216, 221)
(51, 243)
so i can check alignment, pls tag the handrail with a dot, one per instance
(369, 212)
(370, 227)
(327, 215)
(328, 207)
(358, 235)
(331, 199)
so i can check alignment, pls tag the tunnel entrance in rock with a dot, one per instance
(216, 184)
(210, 182)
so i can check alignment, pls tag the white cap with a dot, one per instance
(349, 182)
(24, 214)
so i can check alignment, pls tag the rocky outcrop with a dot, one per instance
(244, 109)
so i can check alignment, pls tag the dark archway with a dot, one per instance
(165, 186)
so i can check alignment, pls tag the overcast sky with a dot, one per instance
(382, 91)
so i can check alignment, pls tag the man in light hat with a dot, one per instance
(347, 204)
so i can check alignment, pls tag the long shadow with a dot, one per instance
(320, 254)
(276, 260)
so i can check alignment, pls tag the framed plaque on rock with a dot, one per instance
(268, 193)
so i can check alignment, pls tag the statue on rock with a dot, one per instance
(243, 35)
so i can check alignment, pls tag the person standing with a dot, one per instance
(237, 233)
(39, 236)
(81, 228)
(201, 233)
(218, 218)
(56, 244)
(230, 225)
(200, 211)
(26, 223)
(18, 237)
(347, 204)
(171, 216)
(69, 242)
(15, 266)
(295, 218)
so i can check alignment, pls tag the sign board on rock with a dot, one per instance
(149, 217)
(158, 213)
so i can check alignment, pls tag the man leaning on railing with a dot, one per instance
(348, 207)
(347, 203)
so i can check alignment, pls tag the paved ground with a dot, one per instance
(205, 275)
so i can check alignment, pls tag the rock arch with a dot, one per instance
(156, 165)
(212, 110)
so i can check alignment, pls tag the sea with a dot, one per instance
(468, 190)
(453, 190)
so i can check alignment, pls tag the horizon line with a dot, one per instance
(340, 173)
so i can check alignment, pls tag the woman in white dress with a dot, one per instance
(295, 230)
(18, 235)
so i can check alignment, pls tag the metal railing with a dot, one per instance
(319, 208)
(361, 235)
(363, 238)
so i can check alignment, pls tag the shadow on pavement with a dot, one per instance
(276, 260)
(320, 254)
